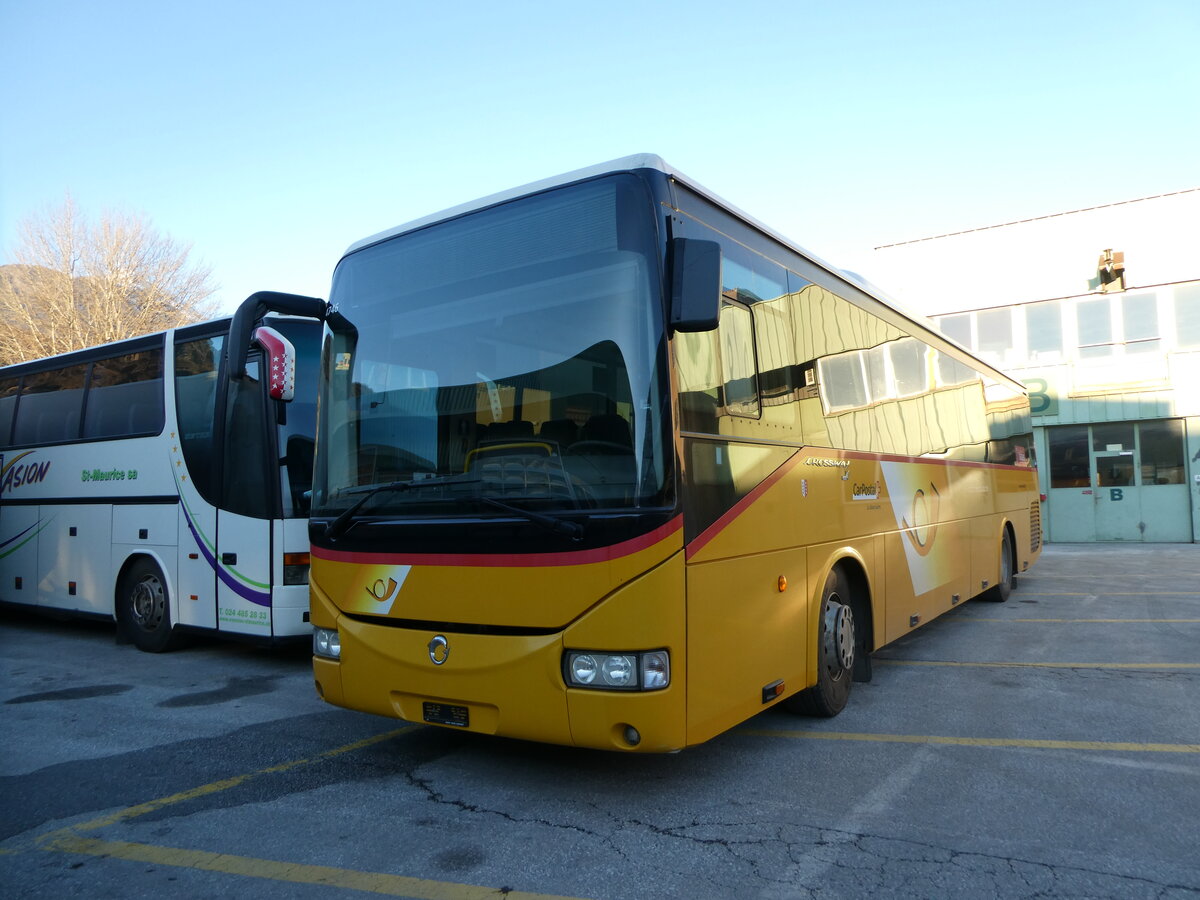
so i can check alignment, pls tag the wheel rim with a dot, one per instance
(1006, 568)
(148, 602)
(839, 636)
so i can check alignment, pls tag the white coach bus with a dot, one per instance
(164, 481)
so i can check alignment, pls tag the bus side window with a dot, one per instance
(51, 403)
(196, 365)
(8, 405)
(247, 482)
(738, 365)
(125, 396)
(696, 358)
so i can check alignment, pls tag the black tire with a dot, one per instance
(836, 649)
(144, 607)
(999, 592)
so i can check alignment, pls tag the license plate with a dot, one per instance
(445, 714)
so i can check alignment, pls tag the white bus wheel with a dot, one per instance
(145, 607)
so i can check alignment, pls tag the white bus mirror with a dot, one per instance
(281, 366)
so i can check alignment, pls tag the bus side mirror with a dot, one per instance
(281, 363)
(695, 279)
(251, 310)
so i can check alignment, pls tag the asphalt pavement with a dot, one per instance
(1047, 746)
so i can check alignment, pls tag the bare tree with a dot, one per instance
(76, 284)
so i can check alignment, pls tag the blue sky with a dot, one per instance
(270, 135)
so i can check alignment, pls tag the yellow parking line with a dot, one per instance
(224, 784)
(1108, 746)
(297, 873)
(1080, 621)
(70, 840)
(1035, 665)
(1103, 593)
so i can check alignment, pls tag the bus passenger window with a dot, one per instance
(50, 406)
(125, 396)
(196, 364)
(8, 404)
(247, 482)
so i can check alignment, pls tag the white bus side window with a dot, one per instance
(50, 406)
(125, 396)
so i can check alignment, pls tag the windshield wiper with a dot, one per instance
(342, 523)
(573, 530)
(345, 519)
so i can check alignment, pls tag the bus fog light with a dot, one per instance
(327, 643)
(583, 668)
(619, 671)
(656, 670)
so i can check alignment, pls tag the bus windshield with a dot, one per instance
(512, 355)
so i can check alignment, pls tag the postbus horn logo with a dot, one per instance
(383, 591)
(923, 528)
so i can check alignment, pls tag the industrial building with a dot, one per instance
(1097, 311)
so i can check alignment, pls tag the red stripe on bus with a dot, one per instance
(791, 462)
(738, 508)
(511, 560)
(927, 460)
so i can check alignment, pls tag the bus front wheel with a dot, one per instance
(145, 607)
(836, 642)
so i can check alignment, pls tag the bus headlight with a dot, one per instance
(327, 643)
(619, 671)
(646, 671)
(583, 668)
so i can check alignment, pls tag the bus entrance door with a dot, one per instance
(244, 546)
(244, 574)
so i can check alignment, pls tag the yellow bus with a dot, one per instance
(604, 462)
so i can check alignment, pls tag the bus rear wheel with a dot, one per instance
(836, 642)
(145, 607)
(999, 592)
